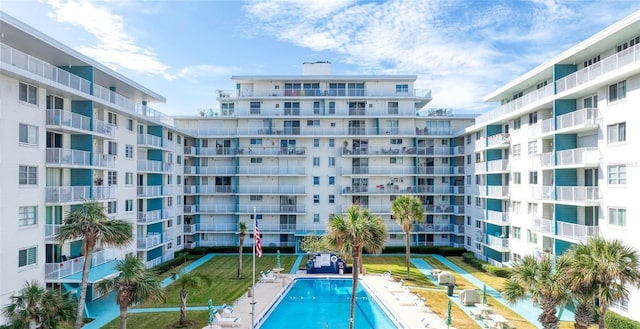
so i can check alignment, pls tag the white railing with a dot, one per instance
(578, 193)
(57, 271)
(614, 62)
(68, 119)
(498, 140)
(376, 209)
(579, 156)
(547, 160)
(51, 231)
(104, 160)
(58, 194)
(378, 189)
(263, 170)
(153, 216)
(150, 140)
(577, 231)
(379, 170)
(498, 165)
(444, 209)
(159, 260)
(208, 189)
(501, 244)
(440, 189)
(214, 150)
(271, 189)
(498, 217)
(150, 191)
(543, 225)
(149, 165)
(498, 191)
(543, 127)
(272, 208)
(104, 128)
(262, 150)
(214, 208)
(104, 192)
(516, 104)
(587, 116)
(440, 170)
(189, 228)
(210, 170)
(69, 157)
(150, 241)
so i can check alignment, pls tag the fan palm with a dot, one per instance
(242, 232)
(134, 284)
(351, 234)
(90, 223)
(543, 282)
(39, 307)
(188, 281)
(611, 266)
(407, 209)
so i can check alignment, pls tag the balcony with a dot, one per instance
(497, 243)
(265, 171)
(577, 231)
(378, 189)
(73, 122)
(580, 157)
(498, 165)
(501, 140)
(492, 191)
(272, 151)
(149, 191)
(516, 104)
(209, 189)
(544, 127)
(189, 229)
(159, 260)
(150, 165)
(272, 208)
(153, 216)
(210, 170)
(612, 63)
(441, 189)
(382, 170)
(271, 189)
(440, 170)
(149, 141)
(51, 231)
(62, 194)
(498, 217)
(577, 121)
(150, 241)
(104, 192)
(68, 157)
(373, 208)
(210, 208)
(543, 225)
(578, 193)
(58, 271)
(444, 209)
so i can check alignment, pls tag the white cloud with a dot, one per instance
(113, 47)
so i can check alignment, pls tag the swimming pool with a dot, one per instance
(324, 303)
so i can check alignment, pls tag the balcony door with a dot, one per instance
(591, 177)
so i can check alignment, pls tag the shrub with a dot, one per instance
(617, 321)
(451, 251)
(501, 272)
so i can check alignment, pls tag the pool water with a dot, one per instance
(324, 304)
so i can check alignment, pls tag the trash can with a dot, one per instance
(450, 289)
(250, 292)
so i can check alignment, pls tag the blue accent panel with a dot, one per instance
(154, 204)
(566, 213)
(83, 108)
(493, 130)
(155, 228)
(154, 179)
(75, 248)
(82, 142)
(566, 177)
(154, 155)
(494, 204)
(154, 130)
(562, 246)
(85, 72)
(565, 142)
(563, 106)
(81, 177)
(493, 230)
(154, 253)
(494, 179)
(562, 70)
(491, 155)
(495, 255)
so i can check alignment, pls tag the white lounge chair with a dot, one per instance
(269, 277)
(226, 322)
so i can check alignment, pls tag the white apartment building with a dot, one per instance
(555, 163)
(298, 148)
(72, 130)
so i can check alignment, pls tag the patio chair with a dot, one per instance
(226, 322)
(269, 277)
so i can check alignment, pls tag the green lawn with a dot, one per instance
(161, 320)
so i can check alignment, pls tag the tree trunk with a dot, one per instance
(603, 312)
(583, 316)
(548, 318)
(123, 317)
(87, 248)
(183, 306)
(240, 258)
(407, 251)
(354, 287)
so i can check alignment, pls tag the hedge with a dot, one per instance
(444, 251)
(617, 321)
(470, 259)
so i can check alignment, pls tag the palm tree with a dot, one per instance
(611, 266)
(582, 295)
(134, 284)
(407, 209)
(38, 307)
(353, 233)
(242, 229)
(90, 223)
(543, 282)
(188, 281)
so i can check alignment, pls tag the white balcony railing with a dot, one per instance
(379, 170)
(543, 225)
(68, 119)
(59, 194)
(209, 189)
(516, 104)
(498, 191)
(583, 117)
(104, 192)
(501, 139)
(150, 241)
(577, 231)
(153, 216)
(149, 191)
(580, 156)
(150, 165)
(498, 217)
(69, 157)
(498, 165)
(578, 193)
(263, 170)
(150, 140)
(271, 189)
(57, 271)
(500, 244)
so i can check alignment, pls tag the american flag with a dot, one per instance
(256, 235)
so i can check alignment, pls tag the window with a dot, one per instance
(532, 237)
(112, 207)
(468, 199)
(313, 123)
(478, 202)
(130, 125)
(516, 232)
(255, 197)
(392, 107)
(617, 175)
(128, 205)
(27, 256)
(112, 178)
(28, 175)
(517, 123)
(544, 83)
(169, 223)
(254, 108)
(532, 208)
(396, 141)
(469, 220)
(112, 118)
(468, 139)
(617, 133)
(332, 180)
(515, 207)
(28, 134)
(178, 240)
(316, 142)
(468, 179)
(256, 141)
(533, 177)
(128, 178)
(332, 107)
(332, 199)
(516, 178)
(128, 151)
(170, 135)
(316, 199)
(256, 160)
(444, 160)
(27, 215)
(479, 157)
(533, 118)
(178, 220)
(618, 216)
(468, 158)
(627, 44)
(178, 179)
(316, 161)
(395, 160)
(316, 107)
(112, 148)
(170, 202)
(316, 180)
(28, 93)
(332, 161)
(169, 179)
(617, 91)
(478, 135)
(515, 150)
(55, 103)
(179, 159)
(402, 88)
(179, 139)
(332, 142)
(316, 218)
(533, 148)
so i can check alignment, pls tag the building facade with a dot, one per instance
(555, 164)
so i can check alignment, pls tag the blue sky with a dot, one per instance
(187, 49)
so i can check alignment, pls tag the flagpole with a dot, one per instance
(253, 285)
